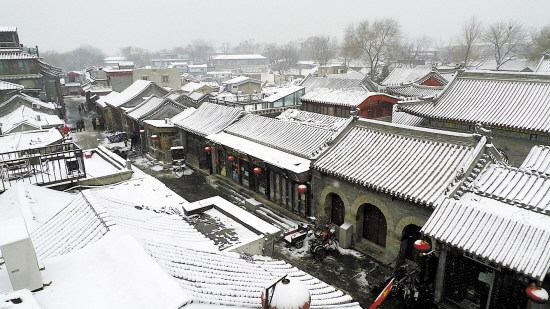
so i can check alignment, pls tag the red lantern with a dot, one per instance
(207, 148)
(257, 170)
(537, 294)
(422, 246)
(141, 132)
(231, 158)
(302, 188)
(153, 137)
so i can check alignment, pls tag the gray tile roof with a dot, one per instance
(209, 118)
(414, 164)
(544, 64)
(538, 160)
(414, 90)
(506, 235)
(311, 83)
(172, 243)
(517, 101)
(342, 97)
(296, 138)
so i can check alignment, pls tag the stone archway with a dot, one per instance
(323, 208)
(407, 221)
(357, 211)
(335, 206)
(408, 231)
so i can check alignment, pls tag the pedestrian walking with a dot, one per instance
(82, 125)
(79, 110)
(134, 141)
(94, 124)
(97, 123)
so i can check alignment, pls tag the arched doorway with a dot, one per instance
(337, 209)
(411, 233)
(374, 225)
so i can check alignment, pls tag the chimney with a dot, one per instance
(37, 117)
(167, 120)
(19, 255)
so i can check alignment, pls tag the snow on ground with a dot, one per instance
(97, 167)
(79, 277)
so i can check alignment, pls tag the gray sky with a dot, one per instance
(110, 24)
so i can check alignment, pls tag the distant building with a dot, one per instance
(73, 80)
(243, 85)
(164, 77)
(426, 76)
(23, 66)
(240, 64)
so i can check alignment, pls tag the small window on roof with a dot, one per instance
(165, 78)
(144, 77)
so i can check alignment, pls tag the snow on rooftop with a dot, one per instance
(28, 116)
(36, 204)
(238, 57)
(26, 297)
(29, 140)
(115, 272)
(129, 93)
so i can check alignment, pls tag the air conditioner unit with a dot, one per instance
(19, 255)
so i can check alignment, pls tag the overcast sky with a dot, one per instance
(64, 25)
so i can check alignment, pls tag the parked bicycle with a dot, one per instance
(328, 244)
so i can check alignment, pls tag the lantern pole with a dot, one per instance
(268, 296)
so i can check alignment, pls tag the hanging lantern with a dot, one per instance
(302, 188)
(422, 246)
(207, 148)
(257, 170)
(141, 132)
(537, 294)
(231, 158)
(289, 294)
(154, 137)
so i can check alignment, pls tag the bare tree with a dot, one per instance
(469, 37)
(225, 48)
(287, 57)
(139, 56)
(83, 57)
(270, 51)
(324, 48)
(200, 50)
(505, 38)
(541, 43)
(373, 39)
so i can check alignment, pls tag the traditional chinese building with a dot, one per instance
(492, 237)
(342, 103)
(272, 157)
(513, 105)
(380, 182)
(426, 76)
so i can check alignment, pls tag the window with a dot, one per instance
(4, 68)
(310, 108)
(165, 78)
(338, 112)
(23, 66)
(71, 79)
(370, 113)
(144, 77)
(378, 112)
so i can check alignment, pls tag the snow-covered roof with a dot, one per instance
(36, 204)
(163, 124)
(239, 57)
(209, 118)
(298, 138)
(147, 106)
(402, 75)
(399, 117)
(9, 86)
(544, 64)
(8, 29)
(332, 123)
(115, 272)
(267, 154)
(515, 65)
(24, 115)
(130, 93)
(192, 86)
(504, 234)
(538, 160)
(16, 55)
(343, 97)
(516, 101)
(29, 140)
(241, 80)
(414, 90)
(205, 273)
(419, 164)
(333, 82)
(522, 188)
(283, 92)
(29, 99)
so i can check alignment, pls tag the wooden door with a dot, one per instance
(374, 225)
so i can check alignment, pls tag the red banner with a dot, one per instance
(382, 295)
